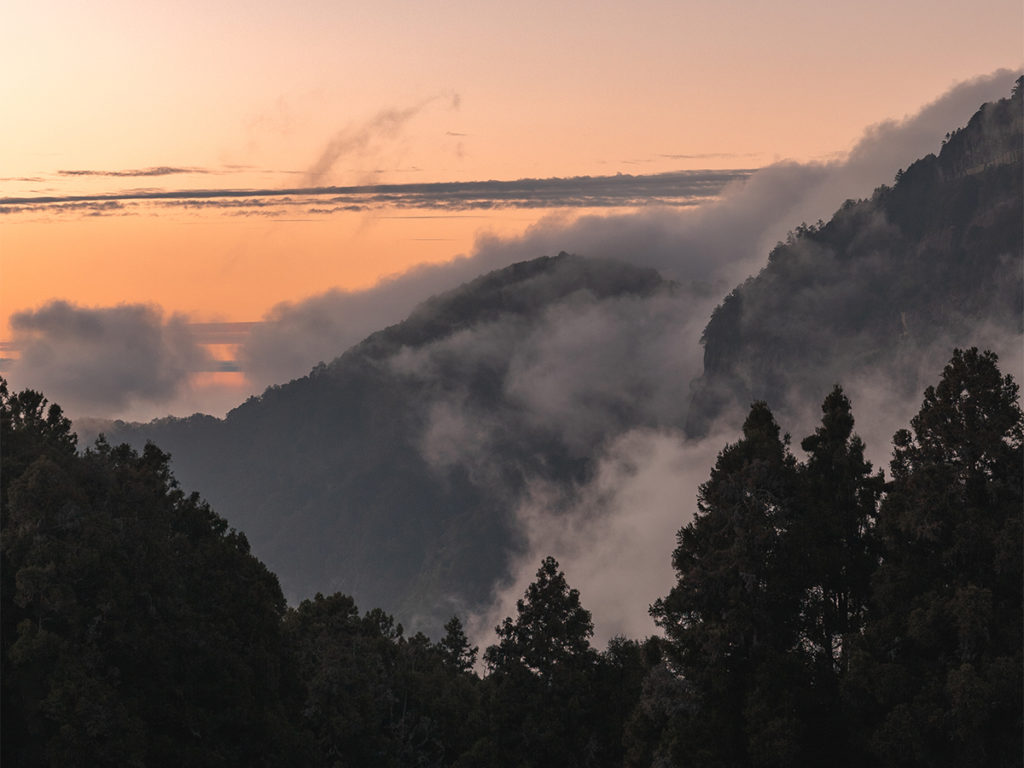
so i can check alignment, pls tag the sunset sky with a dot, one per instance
(110, 105)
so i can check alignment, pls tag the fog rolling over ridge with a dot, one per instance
(541, 409)
(720, 243)
(875, 300)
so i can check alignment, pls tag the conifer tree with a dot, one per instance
(541, 675)
(732, 616)
(939, 680)
(831, 543)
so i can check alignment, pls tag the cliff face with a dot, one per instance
(920, 265)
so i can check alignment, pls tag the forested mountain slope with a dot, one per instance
(887, 285)
(392, 472)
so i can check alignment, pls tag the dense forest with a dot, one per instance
(823, 614)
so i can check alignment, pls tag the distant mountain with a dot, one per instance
(887, 285)
(393, 473)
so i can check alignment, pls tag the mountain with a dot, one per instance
(393, 473)
(888, 285)
(397, 472)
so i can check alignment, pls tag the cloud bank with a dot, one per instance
(163, 170)
(715, 245)
(102, 360)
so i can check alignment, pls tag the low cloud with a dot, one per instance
(101, 361)
(710, 247)
(614, 534)
(613, 537)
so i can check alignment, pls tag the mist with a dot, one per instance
(104, 360)
(713, 246)
(647, 482)
(709, 248)
(607, 378)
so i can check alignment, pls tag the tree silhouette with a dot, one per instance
(939, 681)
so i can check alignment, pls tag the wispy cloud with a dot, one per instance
(361, 138)
(709, 155)
(162, 170)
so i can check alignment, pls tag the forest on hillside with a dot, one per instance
(397, 471)
(823, 613)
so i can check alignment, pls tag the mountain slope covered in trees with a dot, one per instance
(368, 475)
(818, 616)
(394, 472)
(885, 287)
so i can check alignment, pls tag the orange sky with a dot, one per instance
(481, 91)
(265, 94)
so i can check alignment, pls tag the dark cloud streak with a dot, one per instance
(674, 189)
(163, 170)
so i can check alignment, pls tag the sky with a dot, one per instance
(187, 178)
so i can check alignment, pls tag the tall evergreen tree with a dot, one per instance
(541, 708)
(732, 616)
(831, 543)
(939, 678)
(454, 647)
(551, 630)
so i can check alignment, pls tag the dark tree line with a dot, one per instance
(820, 616)
(823, 617)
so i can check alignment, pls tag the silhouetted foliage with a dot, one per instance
(938, 677)
(138, 629)
(811, 625)
(734, 614)
(819, 615)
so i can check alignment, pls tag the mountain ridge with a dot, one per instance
(395, 471)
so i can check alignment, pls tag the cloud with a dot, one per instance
(359, 139)
(677, 189)
(99, 208)
(102, 360)
(295, 336)
(709, 248)
(162, 170)
(614, 536)
(894, 144)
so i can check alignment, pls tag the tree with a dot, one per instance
(733, 615)
(137, 627)
(839, 497)
(552, 630)
(540, 706)
(938, 679)
(832, 538)
(455, 649)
